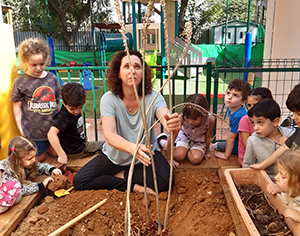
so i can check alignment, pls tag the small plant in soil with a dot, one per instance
(265, 217)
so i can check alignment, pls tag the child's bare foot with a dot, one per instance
(120, 174)
(208, 156)
(220, 155)
(140, 189)
(212, 147)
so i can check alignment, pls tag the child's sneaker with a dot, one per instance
(161, 140)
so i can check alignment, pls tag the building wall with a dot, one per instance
(282, 40)
(282, 35)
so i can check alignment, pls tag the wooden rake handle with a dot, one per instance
(78, 218)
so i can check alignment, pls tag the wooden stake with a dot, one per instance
(78, 218)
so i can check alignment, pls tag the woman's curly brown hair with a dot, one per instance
(115, 84)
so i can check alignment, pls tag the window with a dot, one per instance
(151, 38)
(241, 35)
(229, 35)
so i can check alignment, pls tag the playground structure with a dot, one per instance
(113, 42)
(155, 38)
(8, 128)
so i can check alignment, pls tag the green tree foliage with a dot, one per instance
(237, 10)
(205, 14)
(65, 16)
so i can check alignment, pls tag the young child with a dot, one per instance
(66, 135)
(292, 142)
(35, 95)
(235, 98)
(19, 169)
(196, 132)
(265, 117)
(288, 184)
(245, 126)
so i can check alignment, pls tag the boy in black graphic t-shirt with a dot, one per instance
(66, 135)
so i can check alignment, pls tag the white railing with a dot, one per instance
(193, 57)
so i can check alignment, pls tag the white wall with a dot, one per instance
(282, 40)
(282, 36)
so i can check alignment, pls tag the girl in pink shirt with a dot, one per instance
(245, 126)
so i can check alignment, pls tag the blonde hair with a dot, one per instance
(290, 161)
(18, 148)
(31, 47)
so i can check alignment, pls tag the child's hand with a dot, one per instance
(175, 164)
(62, 159)
(56, 172)
(282, 140)
(47, 181)
(257, 166)
(220, 155)
(293, 214)
(273, 189)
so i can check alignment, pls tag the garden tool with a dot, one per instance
(63, 192)
(69, 176)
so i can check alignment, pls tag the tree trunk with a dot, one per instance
(61, 12)
(183, 6)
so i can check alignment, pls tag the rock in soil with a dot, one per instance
(59, 182)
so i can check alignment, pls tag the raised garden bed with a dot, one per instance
(248, 176)
(197, 207)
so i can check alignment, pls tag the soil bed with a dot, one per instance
(197, 207)
(266, 219)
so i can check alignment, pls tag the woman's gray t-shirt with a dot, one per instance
(128, 125)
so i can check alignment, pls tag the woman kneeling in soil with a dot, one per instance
(121, 122)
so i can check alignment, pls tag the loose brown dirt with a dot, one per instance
(197, 207)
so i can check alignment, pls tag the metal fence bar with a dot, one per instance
(208, 81)
(215, 100)
(83, 109)
(94, 105)
(197, 79)
(184, 84)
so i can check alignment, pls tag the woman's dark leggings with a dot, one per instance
(99, 174)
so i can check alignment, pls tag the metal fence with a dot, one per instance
(280, 76)
(82, 41)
